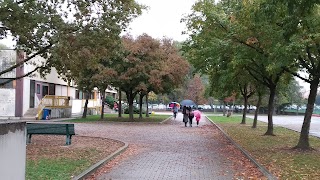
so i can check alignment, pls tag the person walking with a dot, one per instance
(175, 111)
(185, 115)
(190, 115)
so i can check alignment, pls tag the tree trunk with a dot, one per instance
(130, 102)
(140, 105)
(244, 113)
(224, 108)
(120, 104)
(147, 102)
(85, 108)
(304, 134)
(255, 119)
(270, 110)
(103, 94)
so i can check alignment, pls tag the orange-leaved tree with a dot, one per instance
(149, 65)
(196, 90)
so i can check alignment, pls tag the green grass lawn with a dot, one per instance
(274, 152)
(124, 118)
(60, 168)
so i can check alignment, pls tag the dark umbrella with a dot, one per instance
(187, 102)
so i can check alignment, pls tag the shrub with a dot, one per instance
(110, 101)
(135, 110)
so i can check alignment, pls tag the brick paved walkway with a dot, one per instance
(170, 150)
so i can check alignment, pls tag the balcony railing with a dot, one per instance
(52, 101)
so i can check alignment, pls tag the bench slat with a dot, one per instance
(54, 129)
(60, 129)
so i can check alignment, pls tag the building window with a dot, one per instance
(77, 94)
(8, 85)
(38, 88)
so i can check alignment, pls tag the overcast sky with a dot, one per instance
(162, 19)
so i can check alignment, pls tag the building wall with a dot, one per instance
(53, 77)
(26, 94)
(7, 102)
(7, 59)
(76, 106)
(7, 96)
(61, 88)
(13, 150)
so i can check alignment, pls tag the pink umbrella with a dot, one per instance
(197, 114)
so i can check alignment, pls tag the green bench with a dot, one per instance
(52, 129)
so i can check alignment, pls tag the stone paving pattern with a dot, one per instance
(170, 150)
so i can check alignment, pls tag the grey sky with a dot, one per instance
(162, 19)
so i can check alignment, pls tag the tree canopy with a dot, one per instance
(37, 26)
(148, 65)
(266, 39)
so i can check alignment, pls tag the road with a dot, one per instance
(293, 122)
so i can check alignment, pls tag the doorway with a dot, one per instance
(45, 90)
(32, 93)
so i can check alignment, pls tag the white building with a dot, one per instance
(25, 96)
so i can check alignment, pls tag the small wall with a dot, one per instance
(12, 150)
(78, 104)
(60, 113)
(7, 102)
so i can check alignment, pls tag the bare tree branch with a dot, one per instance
(304, 64)
(19, 77)
(296, 74)
(310, 56)
(26, 60)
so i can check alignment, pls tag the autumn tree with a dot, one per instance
(37, 26)
(173, 73)
(196, 90)
(86, 56)
(150, 65)
(300, 25)
(236, 28)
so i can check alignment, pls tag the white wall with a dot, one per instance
(7, 59)
(53, 77)
(12, 150)
(7, 102)
(76, 106)
(72, 92)
(26, 95)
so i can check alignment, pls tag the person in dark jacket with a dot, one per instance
(190, 115)
(185, 115)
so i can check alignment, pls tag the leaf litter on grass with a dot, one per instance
(83, 149)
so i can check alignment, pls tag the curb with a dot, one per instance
(265, 172)
(94, 167)
(166, 120)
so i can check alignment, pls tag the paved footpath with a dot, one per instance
(168, 151)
